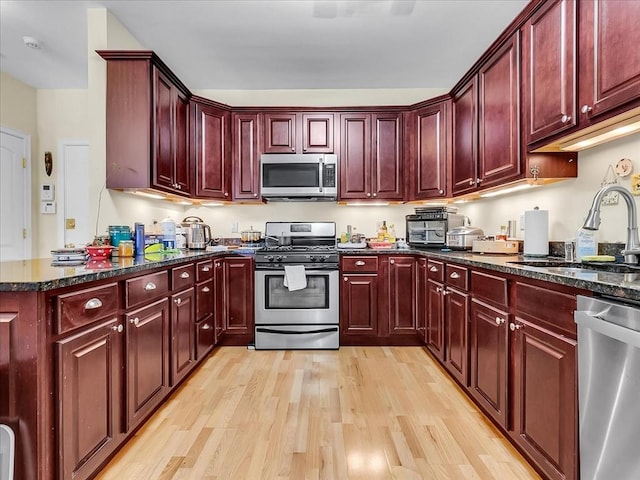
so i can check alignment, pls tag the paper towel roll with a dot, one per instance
(536, 233)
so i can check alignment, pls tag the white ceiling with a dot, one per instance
(259, 44)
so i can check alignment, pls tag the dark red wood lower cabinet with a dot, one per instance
(205, 336)
(489, 360)
(434, 334)
(182, 338)
(544, 399)
(89, 393)
(359, 305)
(456, 308)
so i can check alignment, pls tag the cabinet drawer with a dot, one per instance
(435, 270)
(489, 287)
(204, 299)
(204, 270)
(146, 288)
(183, 277)
(456, 276)
(360, 264)
(546, 307)
(85, 306)
(205, 336)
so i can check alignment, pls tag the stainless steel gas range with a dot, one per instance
(296, 290)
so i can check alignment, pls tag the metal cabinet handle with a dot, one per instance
(565, 118)
(478, 181)
(346, 279)
(359, 263)
(184, 275)
(392, 261)
(472, 182)
(441, 192)
(135, 321)
(150, 286)
(454, 275)
(206, 289)
(433, 269)
(514, 326)
(206, 269)
(117, 328)
(92, 304)
(255, 194)
(438, 289)
(368, 194)
(445, 291)
(586, 109)
(206, 326)
(178, 301)
(500, 321)
(375, 194)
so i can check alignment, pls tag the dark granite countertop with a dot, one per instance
(622, 285)
(39, 274)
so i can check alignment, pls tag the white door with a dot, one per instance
(73, 192)
(15, 195)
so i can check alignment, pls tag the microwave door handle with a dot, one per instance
(321, 173)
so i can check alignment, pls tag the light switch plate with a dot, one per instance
(48, 208)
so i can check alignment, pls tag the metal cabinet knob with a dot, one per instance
(472, 182)
(375, 194)
(255, 194)
(346, 279)
(565, 118)
(134, 321)
(92, 304)
(513, 327)
(441, 192)
(184, 275)
(478, 181)
(500, 321)
(150, 286)
(392, 261)
(445, 291)
(438, 289)
(368, 194)
(586, 109)
(117, 328)
(178, 301)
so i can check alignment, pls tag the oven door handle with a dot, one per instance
(289, 332)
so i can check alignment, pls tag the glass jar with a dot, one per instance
(125, 248)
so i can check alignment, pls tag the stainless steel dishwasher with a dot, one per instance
(609, 388)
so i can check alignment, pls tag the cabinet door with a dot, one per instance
(456, 334)
(182, 334)
(355, 156)
(239, 296)
(213, 155)
(183, 172)
(317, 133)
(431, 143)
(421, 298)
(246, 157)
(402, 295)
(164, 152)
(435, 319)
(386, 157)
(219, 302)
(465, 139)
(88, 398)
(549, 70)
(147, 354)
(545, 399)
(205, 298)
(609, 61)
(489, 360)
(499, 116)
(279, 133)
(359, 305)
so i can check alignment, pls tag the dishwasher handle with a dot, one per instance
(602, 326)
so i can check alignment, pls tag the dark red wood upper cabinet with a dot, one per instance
(432, 152)
(465, 138)
(183, 173)
(246, 157)
(371, 156)
(298, 132)
(549, 49)
(609, 63)
(499, 157)
(213, 152)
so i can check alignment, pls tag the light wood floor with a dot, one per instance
(357, 413)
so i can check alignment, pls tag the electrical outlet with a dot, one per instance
(611, 198)
(234, 227)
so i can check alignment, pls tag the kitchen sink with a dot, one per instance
(562, 266)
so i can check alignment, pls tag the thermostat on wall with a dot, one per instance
(47, 192)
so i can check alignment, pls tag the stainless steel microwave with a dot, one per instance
(299, 177)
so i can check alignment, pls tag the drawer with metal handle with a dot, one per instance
(82, 307)
(146, 288)
(360, 264)
(183, 277)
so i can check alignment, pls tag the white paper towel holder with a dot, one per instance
(536, 244)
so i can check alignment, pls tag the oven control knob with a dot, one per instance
(269, 258)
(322, 259)
(279, 258)
(312, 258)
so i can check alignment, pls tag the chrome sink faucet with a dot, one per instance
(631, 251)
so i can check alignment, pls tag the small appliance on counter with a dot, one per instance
(462, 238)
(495, 246)
(198, 233)
(428, 227)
